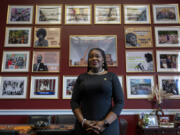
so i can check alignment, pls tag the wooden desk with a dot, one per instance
(158, 131)
(29, 130)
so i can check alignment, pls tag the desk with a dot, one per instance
(28, 130)
(158, 131)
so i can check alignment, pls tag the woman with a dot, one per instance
(92, 98)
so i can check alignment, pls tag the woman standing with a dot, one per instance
(92, 98)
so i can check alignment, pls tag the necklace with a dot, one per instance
(97, 72)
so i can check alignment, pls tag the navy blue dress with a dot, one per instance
(93, 94)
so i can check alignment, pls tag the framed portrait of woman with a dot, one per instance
(18, 37)
(139, 61)
(167, 36)
(170, 85)
(78, 14)
(165, 13)
(20, 14)
(47, 37)
(81, 44)
(168, 60)
(137, 14)
(15, 61)
(68, 85)
(139, 87)
(138, 37)
(44, 87)
(107, 14)
(48, 14)
(13, 87)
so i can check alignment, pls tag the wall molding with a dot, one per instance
(69, 111)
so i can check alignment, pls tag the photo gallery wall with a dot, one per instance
(45, 38)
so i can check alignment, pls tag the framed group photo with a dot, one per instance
(138, 37)
(81, 44)
(165, 13)
(68, 85)
(170, 85)
(48, 14)
(139, 87)
(44, 87)
(47, 37)
(19, 14)
(168, 61)
(46, 61)
(18, 37)
(107, 14)
(137, 14)
(15, 61)
(139, 61)
(78, 14)
(12, 87)
(167, 36)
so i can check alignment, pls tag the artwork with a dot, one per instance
(77, 14)
(48, 37)
(167, 61)
(13, 87)
(167, 36)
(139, 87)
(15, 61)
(139, 61)
(152, 121)
(138, 37)
(107, 14)
(81, 44)
(18, 37)
(170, 85)
(44, 87)
(68, 85)
(137, 14)
(19, 14)
(166, 13)
(46, 61)
(48, 14)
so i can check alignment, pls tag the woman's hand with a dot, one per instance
(90, 126)
(99, 126)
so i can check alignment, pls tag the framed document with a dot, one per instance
(19, 14)
(48, 14)
(137, 14)
(107, 14)
(44, 87)
(166, 13)
(81, 44)
(78, 14)
(13, 87)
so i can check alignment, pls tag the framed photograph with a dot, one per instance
(68, 85)
(107, 14)
(168, 61)
(139, 61)
(170, 85)
(139, 87)
(166, 13)
(46, 61)
(15, 61)
(152, 121)
(44, 87)
(19, 14)
(138, 37)
(47, 37)
(12, 87)
(48, 14)
(78, 14)
(137, 14)
(167, 36)
(18, 37)
(81, 44)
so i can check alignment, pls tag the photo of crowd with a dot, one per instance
(168, 61)
(170, 86)
(168, 37)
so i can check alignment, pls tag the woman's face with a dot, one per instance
(96, 59)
